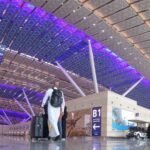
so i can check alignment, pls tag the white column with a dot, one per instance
(25, 120)
(27, 100)
(20, 105)
(93, 67)
(10, 123)
(70, 79)
(132, 87)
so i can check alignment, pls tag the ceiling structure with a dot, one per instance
(121, 25)
(35, 39)
(35, 77)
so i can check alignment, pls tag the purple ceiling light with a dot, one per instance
(28, 7)
(4, 1)
(10, 92)
(40, 12)
(13, 113)
(17, 2)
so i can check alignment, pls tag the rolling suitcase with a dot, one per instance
(39, 127)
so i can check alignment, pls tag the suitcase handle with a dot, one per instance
(41, 114)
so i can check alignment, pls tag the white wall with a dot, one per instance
(109, 100)
(90, 102)
(118, 101)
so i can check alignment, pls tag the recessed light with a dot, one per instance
(25, 20)
(119, 43)
(103, 31)
(84, 18)
(125, 48)
(94, 24)
(111, 37)
(74, 11)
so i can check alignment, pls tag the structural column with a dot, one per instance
(20, 105)
(70, 79)
(132, 87)
(27, 100)
(93, 67)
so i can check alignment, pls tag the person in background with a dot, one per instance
(54, 98)
(148, 132)
(64, 118)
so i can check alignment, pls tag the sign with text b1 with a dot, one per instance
(96, 121)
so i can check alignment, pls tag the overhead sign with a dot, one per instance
(96, 121)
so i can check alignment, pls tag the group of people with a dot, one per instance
(54, 107)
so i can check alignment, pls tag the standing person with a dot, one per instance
(148, 132)
(64, 118)
(54, 98)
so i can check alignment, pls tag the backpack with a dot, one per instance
(56, 98)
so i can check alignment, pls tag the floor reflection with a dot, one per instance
(14, 143)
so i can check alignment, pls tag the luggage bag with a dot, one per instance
(39, 127)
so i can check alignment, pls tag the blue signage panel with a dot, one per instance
(96, 121)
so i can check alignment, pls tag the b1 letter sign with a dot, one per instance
(96, 121)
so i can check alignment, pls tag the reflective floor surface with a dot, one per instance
(18, 143)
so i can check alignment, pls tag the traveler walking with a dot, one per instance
(54, 98)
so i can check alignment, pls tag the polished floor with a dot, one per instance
(18, 143)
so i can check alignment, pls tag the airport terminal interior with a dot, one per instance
(89, 56)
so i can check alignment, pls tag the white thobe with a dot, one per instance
(53, 113)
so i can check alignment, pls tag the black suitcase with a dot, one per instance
(39, 127)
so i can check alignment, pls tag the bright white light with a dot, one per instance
(94, 24)
(74, 11)
(4, 11)
(119, 43)
(19, 95)
(14, 51)
(111, 37)
(103, 31)
(84, 18)
(26, 20)
(125, 48)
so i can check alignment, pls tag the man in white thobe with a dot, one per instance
(53, 113)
